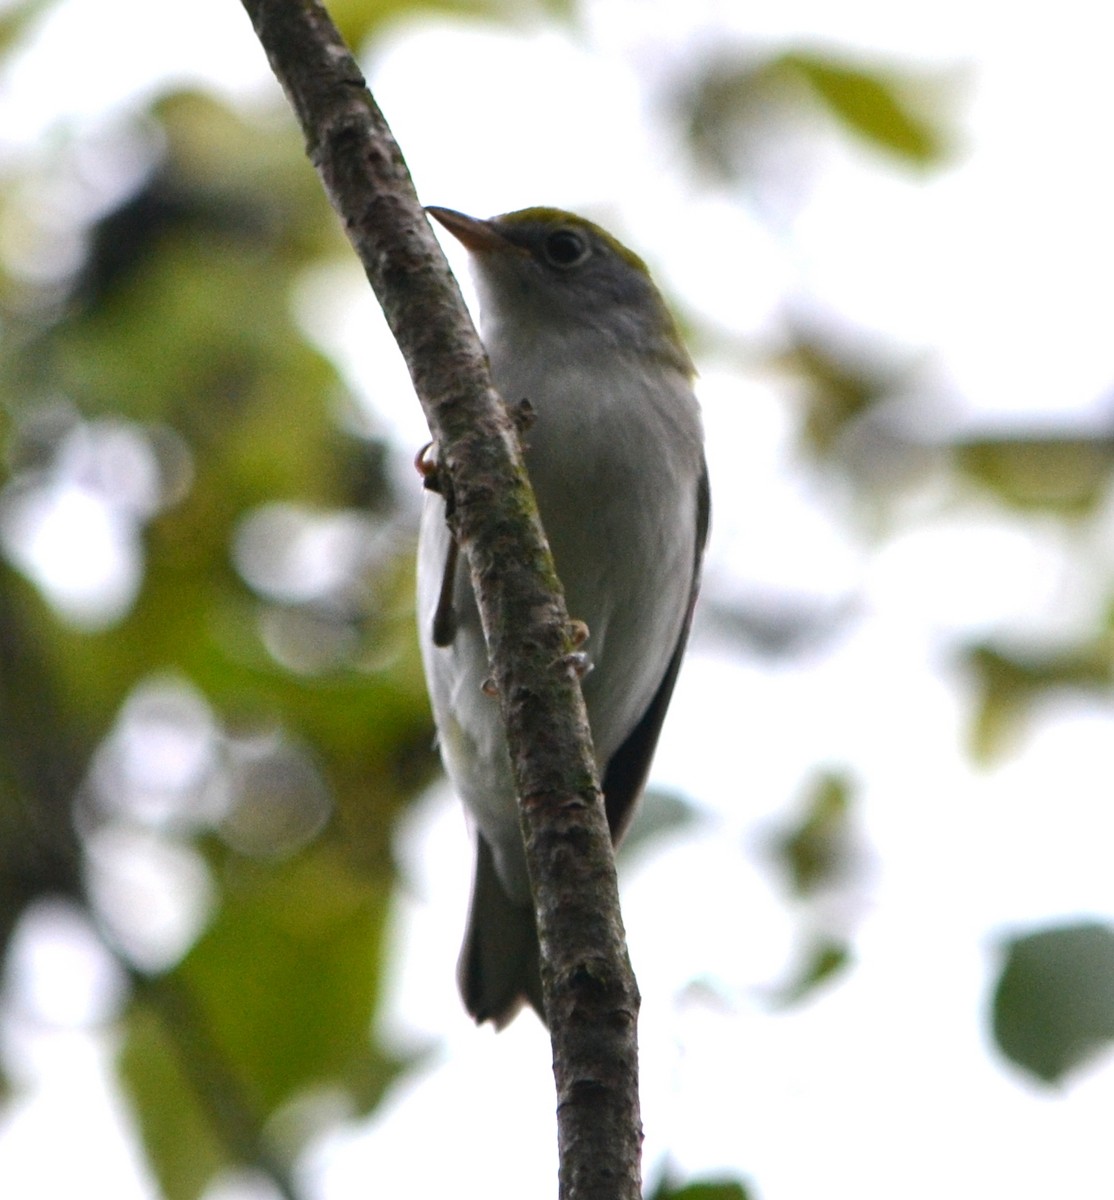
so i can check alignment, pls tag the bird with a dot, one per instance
(573, 325)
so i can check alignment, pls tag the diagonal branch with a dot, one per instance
(590, 994)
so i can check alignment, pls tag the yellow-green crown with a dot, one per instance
(558, 216)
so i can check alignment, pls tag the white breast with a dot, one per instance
(614, 460)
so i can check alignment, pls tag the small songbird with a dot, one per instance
(573, 324)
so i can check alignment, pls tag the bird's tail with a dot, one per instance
(499, 967)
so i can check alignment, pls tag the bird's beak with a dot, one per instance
(473, 233)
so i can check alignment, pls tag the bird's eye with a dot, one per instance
(565, 248)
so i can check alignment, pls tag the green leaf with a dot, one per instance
(274, 1003)
(814, 851)
(727, 1189)
(1061, 474)
(822, 961)
(1010, 682)
(16, 19)
(180, 1139)
(880, 106)
(359, 20)
(846, 378)
(740, 105)
(286, 978)
(1053, 1008)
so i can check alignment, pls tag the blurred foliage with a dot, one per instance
(16, 18)
(844, 380)
(185, 1145)
(242, 691)
(223, 677)
(1053, 1008)
(889, 110)
(815, 852)
(274, 1002)
(819, 856)
(1009, 683)
(358, 20)
(1042, 472)
(739, 103)
(727, 1189)
(822, 960)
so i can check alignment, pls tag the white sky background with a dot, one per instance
(884, 1083)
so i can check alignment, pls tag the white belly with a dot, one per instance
(618, 502)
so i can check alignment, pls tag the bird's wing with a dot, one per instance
(625, 775)
(445, 618)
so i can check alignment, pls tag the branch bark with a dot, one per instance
(590, 994)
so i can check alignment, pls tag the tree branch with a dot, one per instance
(590, 994)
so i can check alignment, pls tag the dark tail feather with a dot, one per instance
(499, 966)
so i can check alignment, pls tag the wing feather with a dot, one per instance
(626, 771)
